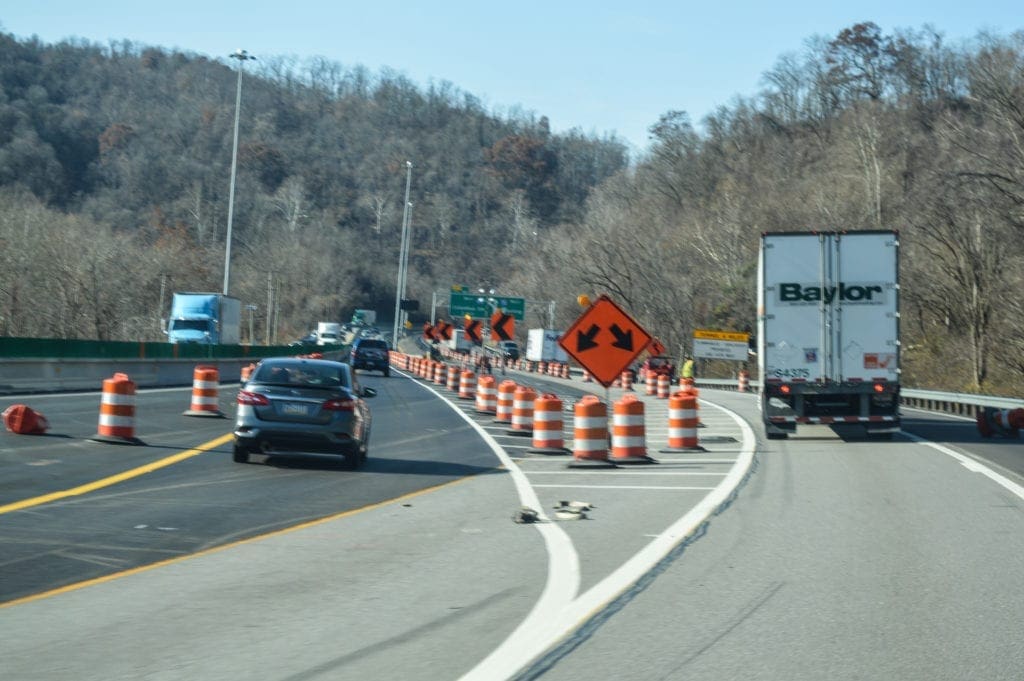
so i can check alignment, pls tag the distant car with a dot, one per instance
(508, 349)
(370, 354)
(297, 406)
(305, 341)
(661, 365)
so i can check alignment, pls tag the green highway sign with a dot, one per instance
(482, 305)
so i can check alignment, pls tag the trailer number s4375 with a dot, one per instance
(788, 373)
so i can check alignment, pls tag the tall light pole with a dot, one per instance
(242, 56)
(403, 255)
(403, 315)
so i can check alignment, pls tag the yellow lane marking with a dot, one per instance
(170, 561)
(114, 479)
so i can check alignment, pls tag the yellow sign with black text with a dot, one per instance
(734, 336)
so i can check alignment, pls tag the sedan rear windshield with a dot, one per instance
(374, 344)
(303, 376)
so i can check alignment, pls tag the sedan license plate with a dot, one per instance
(294, 409)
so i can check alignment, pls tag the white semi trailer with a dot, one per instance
(829, 331)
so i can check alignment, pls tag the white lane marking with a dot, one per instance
(563, 578)
(973, 465)
(605, 473)
(538, 633)
(624, 487)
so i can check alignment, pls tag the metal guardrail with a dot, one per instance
(965, 404)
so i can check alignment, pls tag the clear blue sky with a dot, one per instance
(599, 67)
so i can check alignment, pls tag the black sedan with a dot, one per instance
(292, 405)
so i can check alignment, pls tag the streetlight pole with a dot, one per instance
(403, 315)
(242, 56)
(403, 255)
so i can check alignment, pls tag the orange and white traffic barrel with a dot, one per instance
(453, 377)
(205, 386)
(547, 425)
(686, 383)
(586, 377)
(664, 386)
(590, 434)
(682, 423)
(24, 420)
(626, 377)
(690, 388)
(247, 371)
(651, 383)
(439, 373)
(522, 410)
(628, 432)
(467, 385)
(1003, 422)
(117, 411)
(743, 381)
(506, 398)
(486, 395)
(565, 371)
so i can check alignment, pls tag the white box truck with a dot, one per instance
(328, 333)
(828, 330)
(458, 342)
(542, 346)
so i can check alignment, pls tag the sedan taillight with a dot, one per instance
(345, 404)
(255, 399)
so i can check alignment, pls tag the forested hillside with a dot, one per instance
(114, 181)
(114, 167)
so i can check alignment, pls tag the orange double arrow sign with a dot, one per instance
(604, 340)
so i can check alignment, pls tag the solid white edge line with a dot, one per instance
(563, 578)
(970, 464)
(523, 646)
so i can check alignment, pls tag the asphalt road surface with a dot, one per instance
(826, 556)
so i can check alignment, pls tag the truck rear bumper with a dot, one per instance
(873, 406)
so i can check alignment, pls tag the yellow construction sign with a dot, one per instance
(734, 336)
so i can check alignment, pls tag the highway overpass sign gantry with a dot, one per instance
(481, 305)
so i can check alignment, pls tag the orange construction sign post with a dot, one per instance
(604, 340)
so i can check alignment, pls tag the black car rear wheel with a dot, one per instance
(353, 460)
(240, 454)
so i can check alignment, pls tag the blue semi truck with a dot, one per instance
(207, 318)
